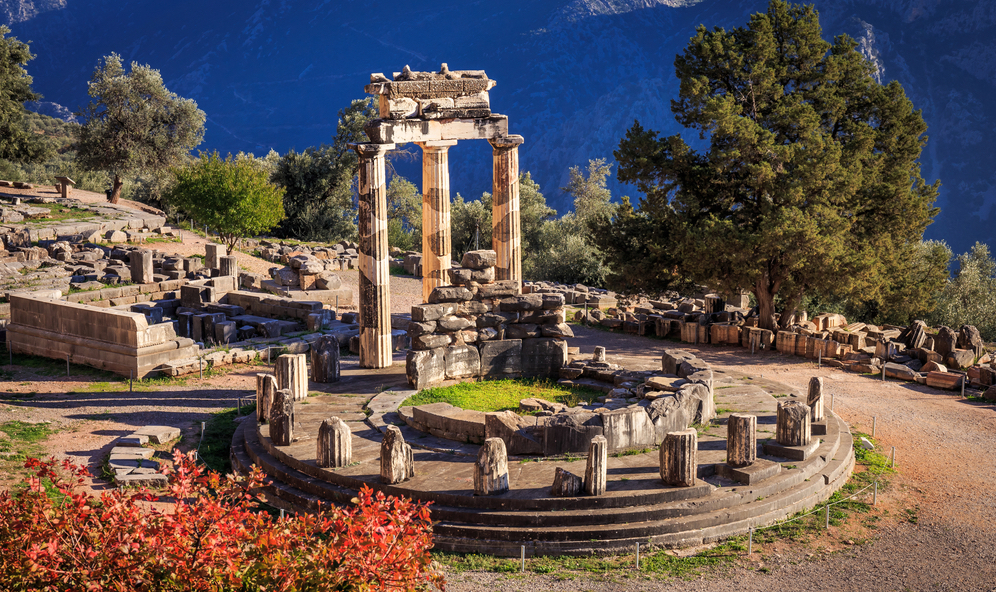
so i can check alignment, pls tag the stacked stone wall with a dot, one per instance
(480, 327)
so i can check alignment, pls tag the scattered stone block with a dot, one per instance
(491, 468)
(132, 441)
(158, 434)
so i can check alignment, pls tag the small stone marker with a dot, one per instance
(595, 474)
(325, 361)
(292, 374)
(793, 425)
(741, 440)
(565, 484)
(866, 444)
(678, 463)
(266, 386)
(491, 468)
(281, 418)
(335, 443)
(815, 399)
(397, 464)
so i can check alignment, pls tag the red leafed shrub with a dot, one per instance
(208, 538)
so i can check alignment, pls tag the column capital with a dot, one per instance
(370, 149)
(506, 142)
(436, 145)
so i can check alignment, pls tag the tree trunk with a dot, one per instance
(765, 290)
(116, 189)
(790, 310)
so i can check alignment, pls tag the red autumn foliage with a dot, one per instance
(209, 539)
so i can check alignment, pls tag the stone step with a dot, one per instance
(578, 536)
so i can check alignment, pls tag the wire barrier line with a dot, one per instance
(818, 508)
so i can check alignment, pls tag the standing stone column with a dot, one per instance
(793, 427)
(325, 362)
(815, 399)
(491, 468)
(266, 386)
(229, 266)
(397, 463)
(212, 255)
(506, 228)
(741, 440)
(678, 458)
(375, 290)
(282, 418)
(292, 374)
(436, 232)
(335, 443)
(141, 266)
(596, 473)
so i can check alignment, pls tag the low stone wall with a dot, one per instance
(114, 340)
(268, 305)
(482, 328)
(137, 293)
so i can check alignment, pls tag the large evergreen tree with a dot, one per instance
(810, 181)
(16, 142)
(133, 124)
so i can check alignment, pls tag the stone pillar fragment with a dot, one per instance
(565, 484)
(596, 473)
(229, 266)
(815, 399)
(678, 463)
(375, 293)
(335, 443)
(506, 227)
(325, 362)
(141, 266)
(436, 232)
(292, 374)
(266, 387)
(212, 255)
(491, 468)
(793, 426)
(281, 418)
(397, 464)
(599, 354)
(741, 440)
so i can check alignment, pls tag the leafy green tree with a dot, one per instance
(16, 142)
(319, 182)
(811, 179)
(233, 196)
(568, 254)
(467, 218)
(969, 296)
(404, 214)
(134, 125)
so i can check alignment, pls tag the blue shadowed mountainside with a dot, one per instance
(572, 75)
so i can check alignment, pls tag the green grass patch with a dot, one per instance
(59, 212)
(213, 447)
(501, 395)
(21, 440)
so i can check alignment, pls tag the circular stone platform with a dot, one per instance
(637, 506)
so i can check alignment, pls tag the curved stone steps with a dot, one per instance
(581, 532)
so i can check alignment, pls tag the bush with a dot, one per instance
(969, 297)
(209, 539)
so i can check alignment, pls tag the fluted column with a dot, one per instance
(436, 233)
(506, 228)
(375, 291)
